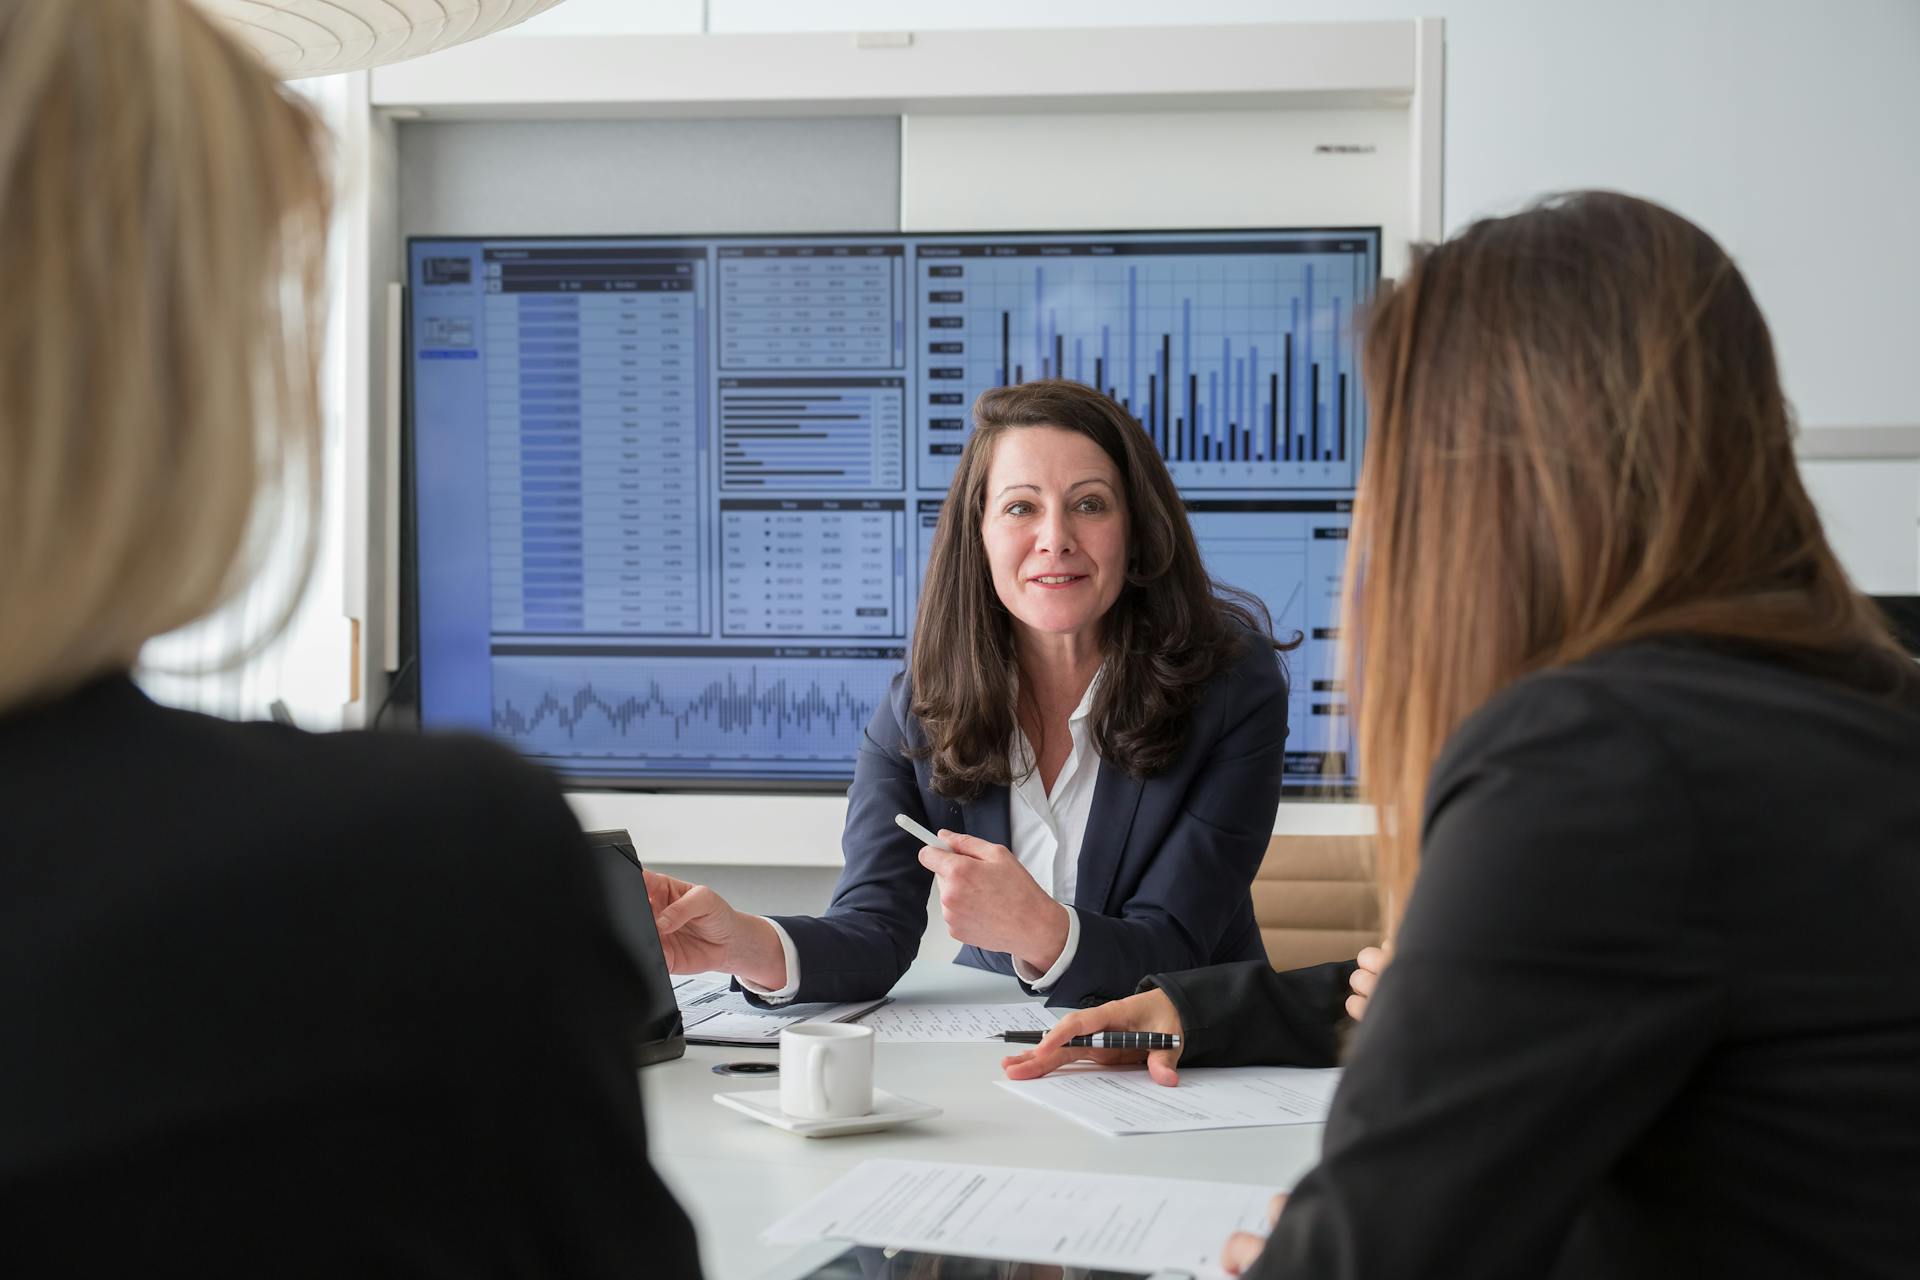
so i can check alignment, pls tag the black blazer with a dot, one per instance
(280, 1004)
(1165, 865)
(1655, 1009)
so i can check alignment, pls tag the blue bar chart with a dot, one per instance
(1236, 357)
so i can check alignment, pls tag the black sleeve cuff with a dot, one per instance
(1245, 1014)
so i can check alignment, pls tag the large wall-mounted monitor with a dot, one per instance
(672, 498)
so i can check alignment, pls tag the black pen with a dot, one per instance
(1103, 1039)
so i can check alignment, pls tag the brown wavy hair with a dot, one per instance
(1578, 440)
(1171, 630)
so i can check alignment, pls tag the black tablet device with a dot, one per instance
(657, 1034)
(863, 1262)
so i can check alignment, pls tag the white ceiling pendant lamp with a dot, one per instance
(320, 37)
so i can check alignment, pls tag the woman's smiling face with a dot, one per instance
(1055, 529)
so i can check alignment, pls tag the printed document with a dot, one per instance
(949, 1022)
(1124, 1100)
(713, 1013)
(1117, 1221)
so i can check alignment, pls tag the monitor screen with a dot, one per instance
(672, 498)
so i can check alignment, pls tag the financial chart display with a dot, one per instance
(673, 498)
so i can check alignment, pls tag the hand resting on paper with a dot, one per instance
(1148, 1011)
(1243, 1246)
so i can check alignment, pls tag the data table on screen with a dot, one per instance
(812, 307)
(820, 567)
(594, 435)
(926, 522)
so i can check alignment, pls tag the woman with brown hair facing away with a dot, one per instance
(274, 1003)
(1101, 720)
(1655, 1003)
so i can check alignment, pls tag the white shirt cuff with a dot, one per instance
(1045, 981)
(784, 994)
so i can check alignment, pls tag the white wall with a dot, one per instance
(309, 666)
(1785, 128)
(1868, 509)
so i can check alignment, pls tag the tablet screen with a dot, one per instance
(656, 1018)
(862, 1262)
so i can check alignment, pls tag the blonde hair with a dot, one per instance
(1578, 440)
(163, 220)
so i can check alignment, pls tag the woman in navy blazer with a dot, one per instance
(1102, 721)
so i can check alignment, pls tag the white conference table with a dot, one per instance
(735, 1176)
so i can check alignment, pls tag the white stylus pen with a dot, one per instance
(913, 828)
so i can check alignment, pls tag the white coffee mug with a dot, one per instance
(826, 1070)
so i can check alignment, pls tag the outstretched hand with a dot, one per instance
(700, 932)
(1148, 1011)
(695, 924)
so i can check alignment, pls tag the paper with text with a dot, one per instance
(1125, 1100)
(949, 1022)
(713, 1013)
(1118, 1221)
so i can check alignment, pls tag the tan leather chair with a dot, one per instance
(1314, 899)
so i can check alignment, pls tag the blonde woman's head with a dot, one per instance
(163, 217)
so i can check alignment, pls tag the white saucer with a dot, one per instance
(889, 1109)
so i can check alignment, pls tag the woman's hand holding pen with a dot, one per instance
(700, 933)
(990, 901)
(1148, 1011)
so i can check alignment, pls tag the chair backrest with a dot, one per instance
(1314, 899)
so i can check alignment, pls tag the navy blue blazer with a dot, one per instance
(1165, 870)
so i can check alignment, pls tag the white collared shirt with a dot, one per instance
(1049, 825)
(1046, 831)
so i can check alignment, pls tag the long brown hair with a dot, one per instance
(1172, 629)
(1578, 440)
(163, 223)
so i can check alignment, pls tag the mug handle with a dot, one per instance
(817, 1077)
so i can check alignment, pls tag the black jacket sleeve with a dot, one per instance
(1236, 1015)
(871, 930)
(1548, 997)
